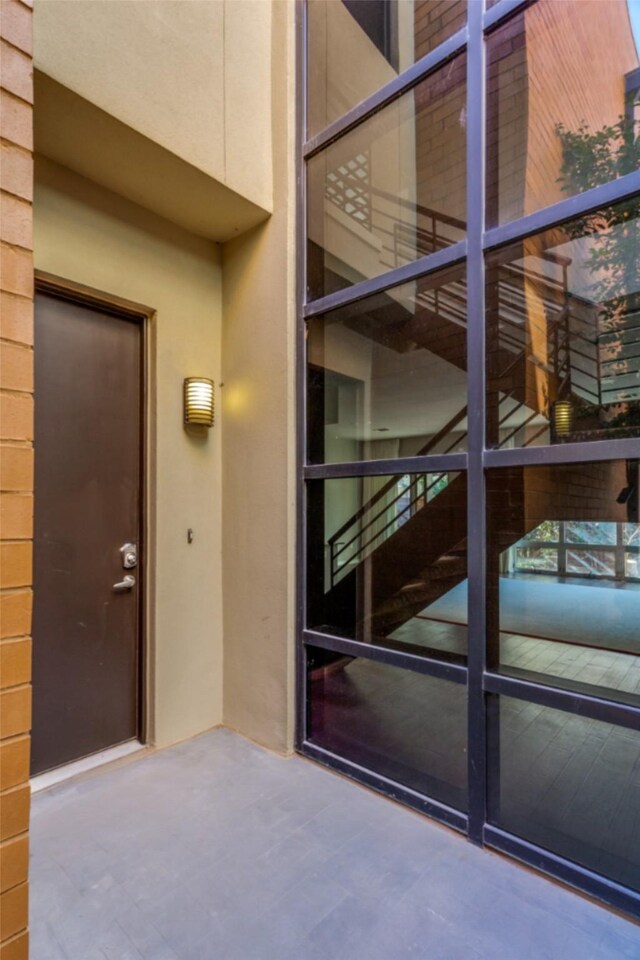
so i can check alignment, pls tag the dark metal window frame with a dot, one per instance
(481, 681)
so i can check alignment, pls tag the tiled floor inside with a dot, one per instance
(218, 850)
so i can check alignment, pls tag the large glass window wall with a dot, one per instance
(391, 190)
(387, 376)
(469, 429)
(356, 46)
(386, 558)
(563, 600)
(407, 726)
(563, 332)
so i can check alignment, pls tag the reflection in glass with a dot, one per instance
(563, 93)
(563, 591)
(591, 532)
(403, 725)
(632, 566)
(536, 558)
(591, 563)
(568, 784)
(563, 332)
(391, 190)
(631, 541)
(356, 46)
(388, 561)
(387, 375)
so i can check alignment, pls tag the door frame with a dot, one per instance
(78, 293)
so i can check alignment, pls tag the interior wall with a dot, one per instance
(259, 441)
(92, 236)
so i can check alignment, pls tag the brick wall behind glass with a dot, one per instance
(440, 125)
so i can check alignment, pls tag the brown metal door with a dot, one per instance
(87, 506)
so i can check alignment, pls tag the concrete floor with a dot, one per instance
(218, 850)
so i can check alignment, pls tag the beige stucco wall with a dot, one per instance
(95, 237)
(258, 450)
(191, 75)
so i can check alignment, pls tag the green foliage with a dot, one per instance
(589, 159)
(629, 417)
(547, 531)
(592, 158)
(612, 254)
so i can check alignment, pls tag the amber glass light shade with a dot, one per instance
(198, 401)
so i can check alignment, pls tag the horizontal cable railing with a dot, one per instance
(338, 547)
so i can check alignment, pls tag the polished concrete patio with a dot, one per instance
(218, 850)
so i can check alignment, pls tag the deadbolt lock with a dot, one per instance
(129, 553)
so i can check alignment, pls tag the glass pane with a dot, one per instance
(593, 532)
(547, 532)
(563, 332)
(575, 624)
(591, 563)
(387, 375)
(536, 558)
(357, 46)
(632, 566)
(406, 726)
(388, 561)
(391, 190)
(569, 784)
(563, 85)
(631, 534)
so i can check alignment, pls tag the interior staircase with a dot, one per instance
(405, 548)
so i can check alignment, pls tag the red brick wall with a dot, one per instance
(434, 21)
(586, 491)
(520, 498)
(507, 102)
(16, 466)
(558, 62)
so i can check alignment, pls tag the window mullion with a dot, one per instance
(476, 555)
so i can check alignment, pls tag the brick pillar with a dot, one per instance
(16, 467)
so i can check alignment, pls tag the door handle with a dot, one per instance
(127, 583)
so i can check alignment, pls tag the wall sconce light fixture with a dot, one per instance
(563, 418)
(198, 401)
